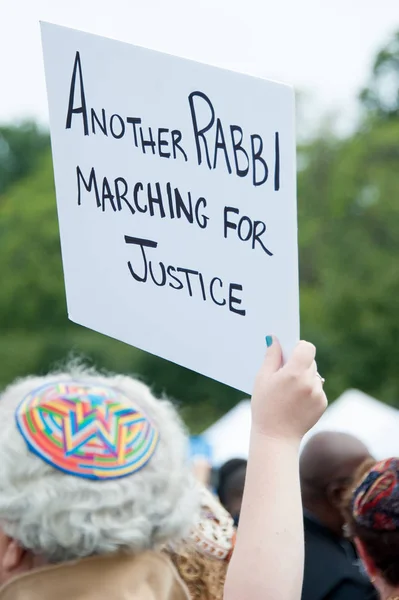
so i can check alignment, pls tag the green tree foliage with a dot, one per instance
(20, 149)
(381, 97)
(349, 248)
(348, 203)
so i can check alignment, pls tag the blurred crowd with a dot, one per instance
(99, 500)
(331, 466)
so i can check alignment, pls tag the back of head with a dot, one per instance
(231, 482)
(375, 520)
(347, 497)
(92, 464)
(328, 464)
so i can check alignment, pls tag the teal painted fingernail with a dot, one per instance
(269, 341)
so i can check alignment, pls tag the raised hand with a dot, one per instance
(288, 400)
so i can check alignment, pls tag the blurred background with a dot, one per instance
(343, 59)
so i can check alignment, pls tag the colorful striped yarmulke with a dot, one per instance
(86, 430)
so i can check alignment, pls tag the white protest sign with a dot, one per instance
(176, 194)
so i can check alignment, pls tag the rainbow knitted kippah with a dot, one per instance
(86, 430)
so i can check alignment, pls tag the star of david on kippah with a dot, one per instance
(89, 431)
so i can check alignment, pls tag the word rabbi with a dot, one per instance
(218, 145)
(179, 278)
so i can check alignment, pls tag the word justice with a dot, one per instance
(180, 278)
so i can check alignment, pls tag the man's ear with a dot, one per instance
(335, 493)
(367, 561)
(13, 557)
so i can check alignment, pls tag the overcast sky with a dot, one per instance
(324, 48)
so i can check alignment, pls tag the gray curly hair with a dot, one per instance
(65, 517)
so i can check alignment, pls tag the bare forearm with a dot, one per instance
(267, 563)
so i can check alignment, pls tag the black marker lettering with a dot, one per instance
(257, 157)
(107, 195)
(229, 224)
(163, 274)
(220, 144)
(176, 138)
(256, 236)
(77, 71)
(188, 272)
(237, 147)
(121, 195)
(92, 183)
(200, 133)
(102, 124)
(170, 200)
(138, 187)
(243, 220)
(233, 300)
(202, 286)
(147, 143)
(202, 221)
(223, 302)
(277, 163)
(134, 121)
(180, 206)
(140, 242)
(155, 200)
(162, 142)
(114, 127)
(180, 285)
(143, 244)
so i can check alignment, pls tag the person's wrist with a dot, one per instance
(267, 435)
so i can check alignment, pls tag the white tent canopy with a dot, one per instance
(229, 437)
(373, 422)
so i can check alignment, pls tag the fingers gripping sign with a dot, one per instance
(274, 357)
(302, 357)
(288, 400)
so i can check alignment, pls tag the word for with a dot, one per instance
(246, 228)
(141, 198)
(165, 142)
(210, 141)
(180, 278)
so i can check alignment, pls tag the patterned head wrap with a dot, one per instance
(86, 430)
(375, 503)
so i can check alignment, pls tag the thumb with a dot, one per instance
(274, 356)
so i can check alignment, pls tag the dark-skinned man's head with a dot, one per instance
(328, 464)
